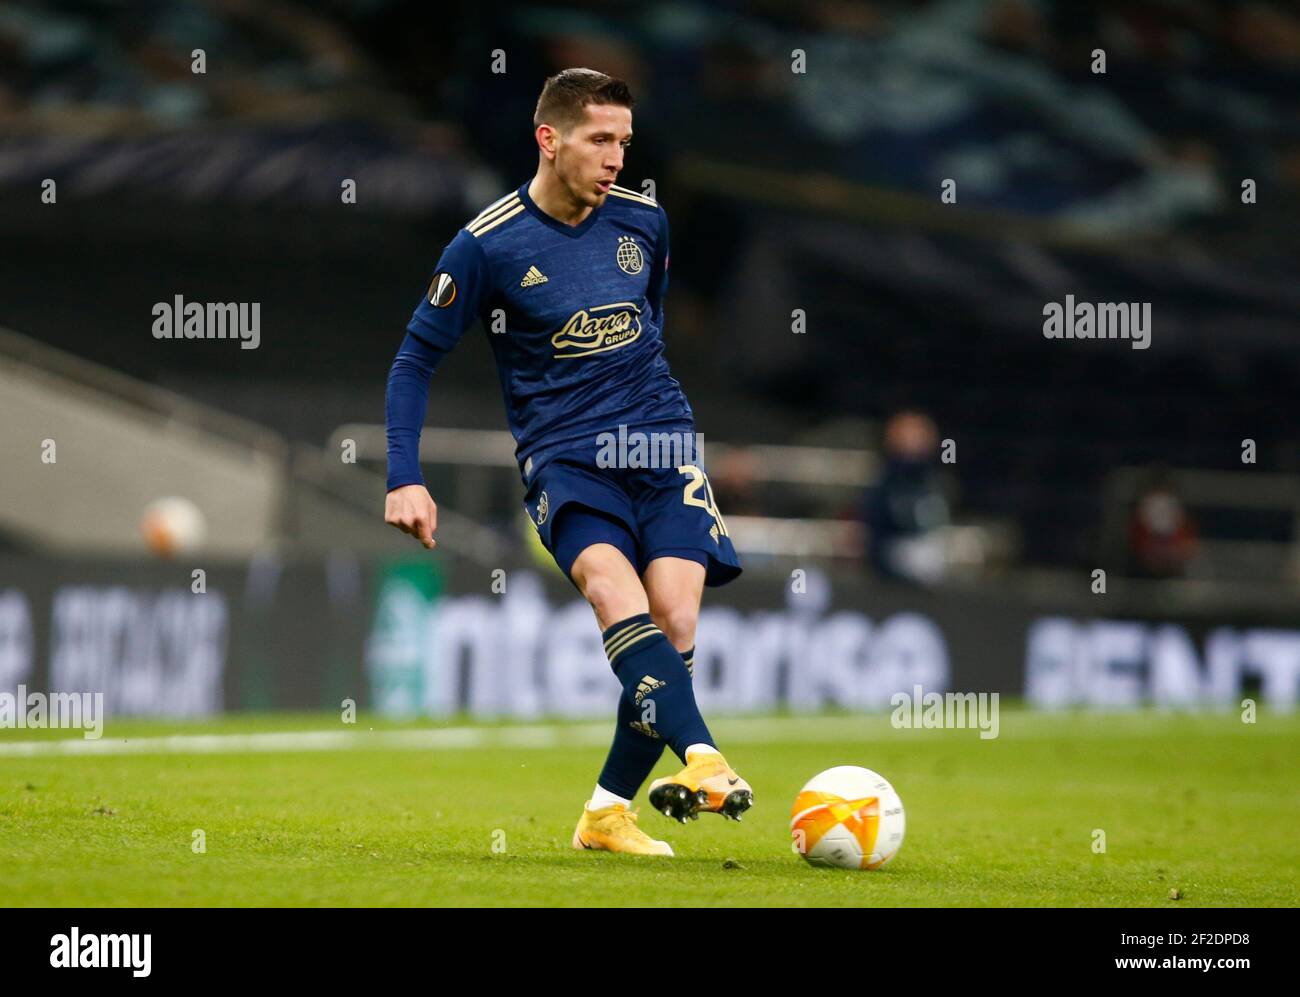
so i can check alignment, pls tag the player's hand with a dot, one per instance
(411, 509)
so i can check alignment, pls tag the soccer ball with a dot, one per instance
(172, 526)
(848, 817)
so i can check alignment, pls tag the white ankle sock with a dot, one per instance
(702, 749)
(602, 798)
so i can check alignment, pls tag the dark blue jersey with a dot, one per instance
(574, 316)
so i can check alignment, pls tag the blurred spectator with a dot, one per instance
(906, 508)
(1162, 535)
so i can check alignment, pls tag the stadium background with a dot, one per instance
(872, 565)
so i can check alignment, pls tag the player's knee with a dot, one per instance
(611, 603)
(678, 624)
(601, 592)
(610, 597)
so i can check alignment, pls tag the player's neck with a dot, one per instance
(549, 194)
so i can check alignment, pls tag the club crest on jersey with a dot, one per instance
(628, 256)
(543, 507)
(442, 291)
(596, 330)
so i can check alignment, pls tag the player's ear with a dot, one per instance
(547, 138)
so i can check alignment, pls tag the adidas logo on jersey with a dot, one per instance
(534, 276)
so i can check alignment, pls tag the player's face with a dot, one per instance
(588, 159)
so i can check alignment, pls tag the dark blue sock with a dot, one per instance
(656, 680)
(633, 754)
(636, 747)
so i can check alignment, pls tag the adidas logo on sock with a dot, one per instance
(643, 727)
(534, 276)
(647, 685)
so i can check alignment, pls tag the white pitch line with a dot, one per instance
(435, 739)
(871, 728)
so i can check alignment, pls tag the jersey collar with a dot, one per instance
(572, 231)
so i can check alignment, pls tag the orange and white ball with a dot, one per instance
(848, 817)
(172, 526)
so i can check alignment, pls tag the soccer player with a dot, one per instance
(567, 274)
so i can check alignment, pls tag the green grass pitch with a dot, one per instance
(1203, 804)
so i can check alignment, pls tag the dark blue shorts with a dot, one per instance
(644, 512)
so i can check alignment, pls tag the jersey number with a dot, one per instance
(691, 494)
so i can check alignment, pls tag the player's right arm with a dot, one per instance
(454, 301)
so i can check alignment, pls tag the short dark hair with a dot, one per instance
(565, 94)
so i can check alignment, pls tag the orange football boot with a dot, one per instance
(707, 784)
(613, 829)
